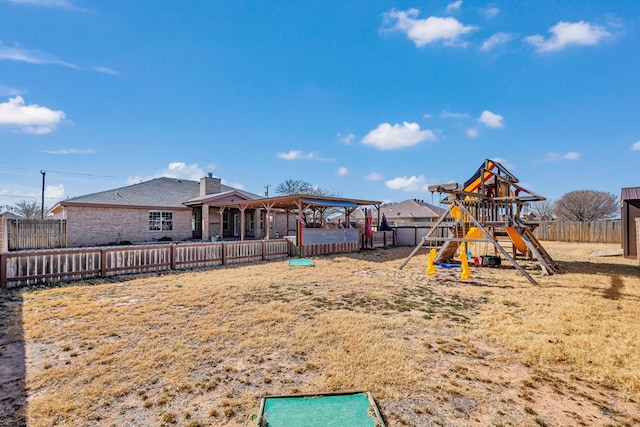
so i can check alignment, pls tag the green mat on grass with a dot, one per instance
(340, 410)
(301, 261)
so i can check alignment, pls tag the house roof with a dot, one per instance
(155, 193)
(300, 202)
(411, 208)
(223, 197)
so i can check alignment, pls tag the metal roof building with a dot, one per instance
(629, 218)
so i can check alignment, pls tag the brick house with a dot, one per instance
(158, 209)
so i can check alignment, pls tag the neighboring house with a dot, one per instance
(630, 211)
(158, 209)
(410, 212)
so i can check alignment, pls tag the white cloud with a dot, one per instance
(300, 155)
(557, 157)
(490, 12)
(105, 70)
(504, 162)
(54, 191)
(30, 56)
(62, 4)
(449, 115)
(491, 120)
(635, 146)
(454, 6)
(569, 33)
(178, 170)
(373, 176)
(412, 183)
(181, 170)
(498, 39)
(29, 118)
(342, 171)
(10, 91)
(68, 151)
(38, 57)
(391, 137)
(232, 184)
(430, 30)
(472, 133)
(346, 139)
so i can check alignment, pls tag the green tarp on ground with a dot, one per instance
(341, 410)
(301, 261)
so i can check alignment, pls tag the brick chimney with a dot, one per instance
(210, 185)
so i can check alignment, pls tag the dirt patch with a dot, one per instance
(200, 348)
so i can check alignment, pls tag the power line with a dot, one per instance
(64, 173)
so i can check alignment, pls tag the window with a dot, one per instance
(250, 220)
(160, 221)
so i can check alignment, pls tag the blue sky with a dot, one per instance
(372, 99)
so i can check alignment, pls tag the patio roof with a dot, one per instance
(298, 202)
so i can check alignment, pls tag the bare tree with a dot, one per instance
(291, 187)
(544, 210)
(587, 205)
(26, 209)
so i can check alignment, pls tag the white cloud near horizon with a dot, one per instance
(569, 33)
(496, 40)
(454, 6)
(392, 137)
(33, 118)
(373, 176)
(430, 30)
(557, 157)
(635, 146)
(54, 191)
(491, 120)
(412, 183)
(342, 171)
(178, 170)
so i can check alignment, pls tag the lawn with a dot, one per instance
(200, 348)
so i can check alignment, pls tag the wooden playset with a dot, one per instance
(488, 208)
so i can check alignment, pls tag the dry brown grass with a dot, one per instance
(200, 348)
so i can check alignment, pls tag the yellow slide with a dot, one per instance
(516, 239)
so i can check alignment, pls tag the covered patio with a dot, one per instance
(301, 219)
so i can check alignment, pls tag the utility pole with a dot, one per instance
(42, 204)
(266, 193)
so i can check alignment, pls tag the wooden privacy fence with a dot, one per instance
(23, 233)
(50, 265)
(580, 232)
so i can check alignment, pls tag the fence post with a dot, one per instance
(173, 256)
(3, 271)
(264, 255)
(223, 252)
(103, 263)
